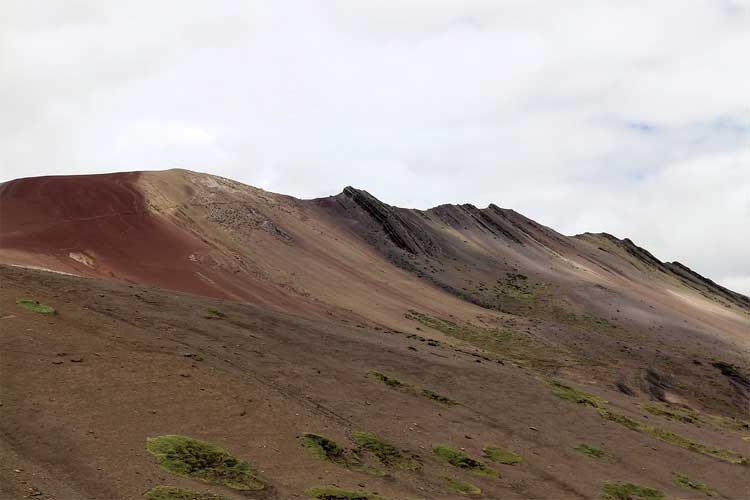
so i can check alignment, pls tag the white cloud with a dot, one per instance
(626, 117)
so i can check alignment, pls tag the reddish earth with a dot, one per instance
(479, 305)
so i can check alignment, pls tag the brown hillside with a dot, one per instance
(195, 305)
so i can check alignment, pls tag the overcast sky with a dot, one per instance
(625, 116)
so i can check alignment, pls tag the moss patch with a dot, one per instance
(688, 416)
(387, 454)
(326, 493)
(326, 449)
(734, 424)
(35, 306)
(195, 459)
(461, 460)
(368, 450)
(395, 383)
(629, 491)
(568, 393)
(437, 397)
(501, 341)
(461, 487)
(212, 313)
(172, 493)
(501, 456)
(590, 450)
(389, 381)
(672, 413)
(674, 439)
(691, 484)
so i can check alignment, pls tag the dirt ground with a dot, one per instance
(83, 389)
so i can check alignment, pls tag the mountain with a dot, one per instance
(458, 326)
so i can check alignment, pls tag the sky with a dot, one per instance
(630, 117)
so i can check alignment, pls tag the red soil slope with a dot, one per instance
(101, 225)
(93, 225)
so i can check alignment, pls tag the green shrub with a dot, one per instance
(325, 449)
(568, 393)
(461, 487)
(692, 484)
(437, 397)
(501, 456)
(389, 381)
(629, 491)
(387, 454)
(327, 493)
(461, 460)
(195, 459)
(35, 306)
(172, 493)
(590, 451)
(212, 313)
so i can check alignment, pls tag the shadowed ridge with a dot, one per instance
(404, 233)
(413, 230)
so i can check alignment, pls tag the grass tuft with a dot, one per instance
(325, 449)
(212, 313)
(675, 439)
(691, 484)
(437, 397)
(327, 493)
(389, 381)
(501, 456)
(461, 487)
(461, 460)
(195, 459)
(35, 306)
(394, 383)
(500, 341)
(590, 450)
(683, 415)
(688, 416)
(387, 454)
(629, 491)
(173, 493)
(568, 393)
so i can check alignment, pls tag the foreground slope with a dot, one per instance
(83, 390)
(306, 297)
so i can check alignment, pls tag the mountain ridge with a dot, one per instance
(196, 305)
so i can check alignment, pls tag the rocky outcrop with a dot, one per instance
(399, 225)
